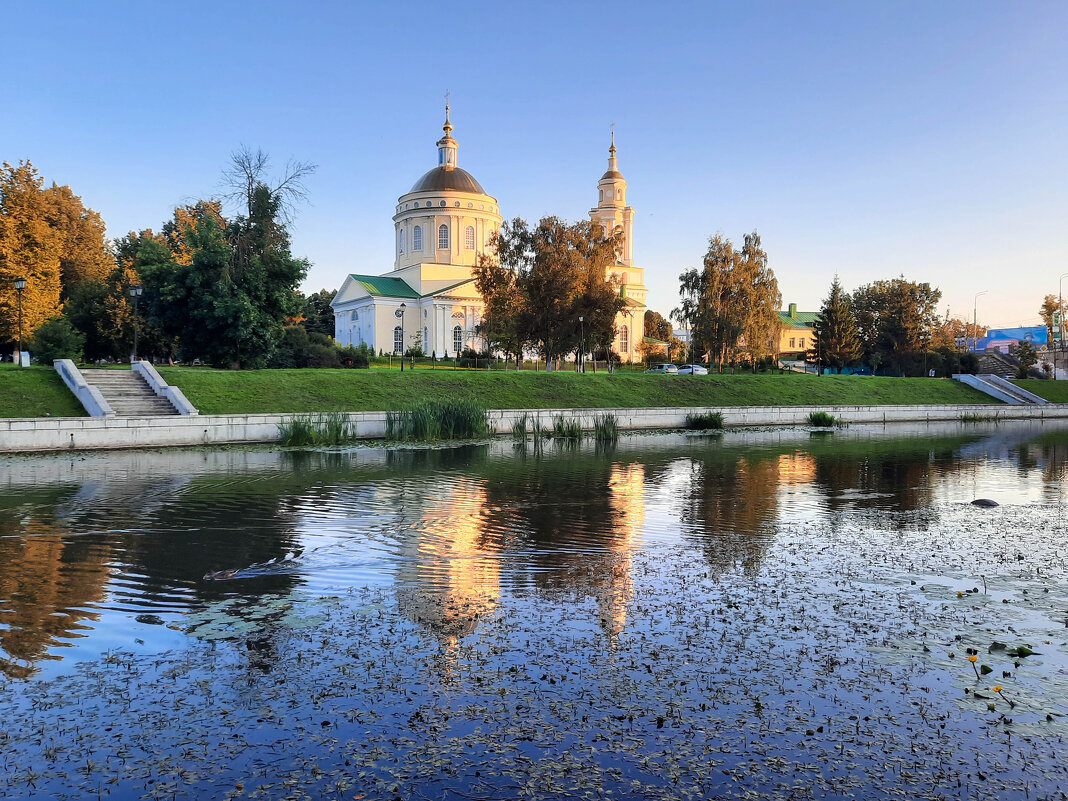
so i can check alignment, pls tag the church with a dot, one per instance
(442, 225)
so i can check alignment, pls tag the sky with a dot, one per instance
(863, 140)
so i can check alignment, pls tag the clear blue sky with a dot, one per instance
(863, 139)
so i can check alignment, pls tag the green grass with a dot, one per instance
(261, 391)
(35, 392)
(1053, 391)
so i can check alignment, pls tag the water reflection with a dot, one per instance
(88, 543)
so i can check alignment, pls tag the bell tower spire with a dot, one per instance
(447, 146)
(612, 211)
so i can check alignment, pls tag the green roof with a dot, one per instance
(799, 320)
(384, 286)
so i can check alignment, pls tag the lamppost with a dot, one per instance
(135, 295)
(20, 284)
(399, 314)
(582, 342)
(975, 319)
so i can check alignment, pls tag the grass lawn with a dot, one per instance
(35, 391)
(252, 391)
(1053, 391)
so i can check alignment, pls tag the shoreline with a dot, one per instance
(41, 434)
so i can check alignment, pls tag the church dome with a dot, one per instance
(444, 177)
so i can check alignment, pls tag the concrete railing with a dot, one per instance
(1011, 388)
(78, 433)
(997, 387)
(162, 388)
(88, 396)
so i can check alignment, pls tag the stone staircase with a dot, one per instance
(127, 393)
(993, 363)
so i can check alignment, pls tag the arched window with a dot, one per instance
(469, 237)
(398, 340)
(355, 316)
(403, 237)
(457, 338)
(619, 194)
(417, 238)
(443, 237)
(624, 339)
(623, 279)
(426, 340)
(600, 195)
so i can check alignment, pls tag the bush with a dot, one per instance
(57, 339)
(358, 357)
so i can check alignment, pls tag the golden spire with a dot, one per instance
(612, 149)
(447, 127)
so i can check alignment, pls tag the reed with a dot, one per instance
(822, 419)
(458, 418)
(566, 428)
(328, 428)
(704, 421)
(605, 428)
(519, 427)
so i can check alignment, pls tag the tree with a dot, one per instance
(84, 251)
(30, 248)
(57, 339)
(1048, 310)
(318, 316)
(734, 297)
(248, 172)
(836, 341)
(656, 326)
(895, 319)
(1025, 352)
(100, 311)
(538, 282)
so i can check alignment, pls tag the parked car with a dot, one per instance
(693, 369)
(663, 369)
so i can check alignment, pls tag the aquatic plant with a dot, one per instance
(973, 417)
(519, 427)
(822, 420)
(454, 418)
(973, 659)
(328, 428)
(997, 689)
(566, 428)
(605, 428)
(704, 421)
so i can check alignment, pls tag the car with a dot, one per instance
(663, 369)
(693, 369)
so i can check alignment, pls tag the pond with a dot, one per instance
(766, 613)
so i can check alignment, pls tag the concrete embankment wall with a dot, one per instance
(90, 433)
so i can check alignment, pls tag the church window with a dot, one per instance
(470, 205)
(398, 339)
(624, 339)
(417, 238)
(403, 236)
(802, 342)
(442, 203)
(619, 194)
(443, 237)
(600, 195)
(355, 316)
(623, 279)
(429, 204)
(469, 237)
(793, 342)
(456, 204)
(426, 339)
(457, 338)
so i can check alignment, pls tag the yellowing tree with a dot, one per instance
(85, 255)
(176, 230)
(30, 248)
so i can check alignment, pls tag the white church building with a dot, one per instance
(442, 225)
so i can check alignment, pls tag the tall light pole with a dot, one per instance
(399, 314)
(1059, 344)
(135, 295)
(582, 343)
(975, 319)
(20, 284)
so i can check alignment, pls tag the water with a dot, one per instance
(776, 612)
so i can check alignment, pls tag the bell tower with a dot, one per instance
(612, 211)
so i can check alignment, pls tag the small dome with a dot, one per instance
(612, 174)
(441, 178)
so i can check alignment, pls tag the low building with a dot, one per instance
(797, 334)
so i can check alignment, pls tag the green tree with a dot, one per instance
(57, 339)
(1048, 310)
(1025, 352)
(837, 343)
(895, 319)
(100, 311)
(731, 301)
(318, 315)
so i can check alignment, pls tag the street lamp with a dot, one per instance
(1060, 320)
(20, 284)
(135, 295)
(582, 343)
(975, 319)
(399, 314)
